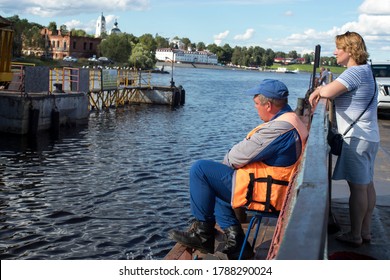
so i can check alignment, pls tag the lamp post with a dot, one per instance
(172, 82)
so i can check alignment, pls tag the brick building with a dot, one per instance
(59, 45)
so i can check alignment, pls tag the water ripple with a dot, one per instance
(113, 189)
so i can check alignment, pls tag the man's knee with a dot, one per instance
(197, 167)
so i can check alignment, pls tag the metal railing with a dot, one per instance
(304, 230)
(108, 79)
(116, 87)
(64, 79)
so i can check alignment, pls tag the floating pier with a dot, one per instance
(40, 98)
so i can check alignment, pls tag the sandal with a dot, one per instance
(347, 238)
(366, 238)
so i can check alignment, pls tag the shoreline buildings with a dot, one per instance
(61, 43)
(183, 56)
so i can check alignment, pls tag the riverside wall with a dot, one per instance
(39, 111)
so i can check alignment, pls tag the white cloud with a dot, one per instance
(219, 37)
(369, 24)
(110, 19)
(73, 24)
(50, 8)
(372, 24)
(246, 36)
(88, 27)
(375, 7)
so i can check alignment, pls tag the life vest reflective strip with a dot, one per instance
(262, 187)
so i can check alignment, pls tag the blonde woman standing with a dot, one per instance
(352, 93)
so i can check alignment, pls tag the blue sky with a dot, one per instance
(282, 25)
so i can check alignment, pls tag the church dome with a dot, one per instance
(115, 29)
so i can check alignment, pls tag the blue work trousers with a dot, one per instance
(210, 192)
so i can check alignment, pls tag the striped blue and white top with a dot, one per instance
(360, 83)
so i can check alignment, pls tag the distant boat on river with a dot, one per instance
(285, 70)
(160, 70)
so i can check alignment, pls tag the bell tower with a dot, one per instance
(100, 26)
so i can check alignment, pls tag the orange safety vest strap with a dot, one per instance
(265, 178)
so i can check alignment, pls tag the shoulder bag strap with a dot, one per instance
(372, 98)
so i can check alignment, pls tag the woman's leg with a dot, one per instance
(357, 164)
(358, 207)
(371, 199)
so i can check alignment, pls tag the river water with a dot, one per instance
(114, 188)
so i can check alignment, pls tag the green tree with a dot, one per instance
(26, 35)
(307, 58)
(52, 27)
(117, 47)
(293, 54)
(245, 57)
(37, 41)
(161, 42)
(256, 56)
(237, 56)
(79, 33)
(213, 48)
(200, 46)
(225, 54)
(64, 30)
(193, 47)
(280, 54)
(148, 42)
(142, 57)
(332, 61)
(328, 61)
(186, 42)
(269, 57)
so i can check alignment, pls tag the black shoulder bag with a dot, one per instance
(335, 139)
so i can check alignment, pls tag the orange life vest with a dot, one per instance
(262, 187)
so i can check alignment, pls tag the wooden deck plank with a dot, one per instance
(180, 252)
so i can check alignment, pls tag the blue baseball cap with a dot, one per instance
(270, 88)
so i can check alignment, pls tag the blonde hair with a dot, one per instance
(354, 44)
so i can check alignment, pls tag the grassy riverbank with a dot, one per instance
(301, 67)
(83, 62)
(309, 68)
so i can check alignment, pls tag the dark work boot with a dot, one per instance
(234, 238)
(200, 236)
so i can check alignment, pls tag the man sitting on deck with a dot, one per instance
(267, 155)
